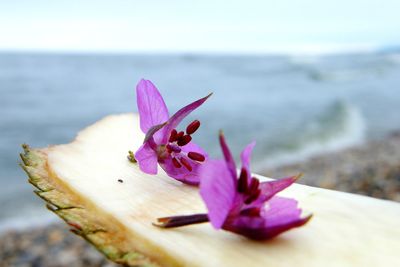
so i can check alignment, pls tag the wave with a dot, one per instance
(330, 49)
(345, 75)
(27, 222)
(337, 76)
(22, 210)
(394, 58)
(305, 60)
(340, 126)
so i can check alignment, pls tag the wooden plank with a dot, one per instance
(346, 230)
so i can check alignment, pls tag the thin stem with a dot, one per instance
(178, 221)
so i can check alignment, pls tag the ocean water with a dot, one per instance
(293, 106)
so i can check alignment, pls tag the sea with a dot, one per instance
(294, 106)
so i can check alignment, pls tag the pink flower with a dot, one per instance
(163, 144)
(242, 204)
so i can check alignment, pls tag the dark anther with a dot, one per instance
(173, 148)
(242, 184)
(254, 183)
(186, 163)
(251, 212)
(176, 163)
(253, 196)
(120, 180)
(196, 156)
(184, 140)
(192, 127)
(172, 137)
(179, 135)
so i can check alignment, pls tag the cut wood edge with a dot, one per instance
(104, 232)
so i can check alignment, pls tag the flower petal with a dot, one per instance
(281, 215)
(230, 162)
(251, 227)
(281, 210)
(217, 190)
(180, 115)
(152, 131)
(147, 159)
(271, 188)
(245, 156)
(151, 105)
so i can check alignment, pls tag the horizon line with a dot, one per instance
(290, 50)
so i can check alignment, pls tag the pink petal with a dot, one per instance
(151, 133)
(272, 231)
(251, 227)
(245, 156)
(271, 188)
(180, 115)
(281, 215)
(281, 211)
(147, 159)
(230, 162)
(151, 105)
(217, 190)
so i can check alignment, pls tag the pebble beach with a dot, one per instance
(372, 169)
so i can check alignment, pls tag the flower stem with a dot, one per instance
(178, 221)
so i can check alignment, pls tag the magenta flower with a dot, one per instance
(242, 204)
(163, 144)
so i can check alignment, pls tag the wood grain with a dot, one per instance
(346, 230)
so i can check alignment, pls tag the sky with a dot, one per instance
(198, 26)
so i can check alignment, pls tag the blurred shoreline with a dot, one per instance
(371, 169)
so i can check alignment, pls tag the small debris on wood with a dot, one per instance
(131, 157)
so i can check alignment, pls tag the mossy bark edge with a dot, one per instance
(101, 230)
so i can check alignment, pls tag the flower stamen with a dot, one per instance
(186, 164)
(173, 136)
(251, 212)
(196, 156)
(253, 196)
(242, 183)
(192, 127)
(184, 140)
(179, 135)
(173, 148)
(176, 163)
(179, 139)
(254, 183)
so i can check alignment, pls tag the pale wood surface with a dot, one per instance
(346, 230)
